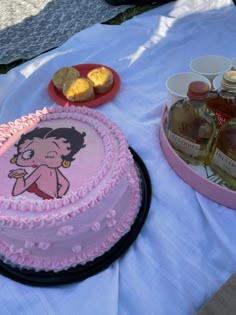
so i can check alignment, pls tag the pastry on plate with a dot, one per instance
(79, 90)
(63, 76)
(102, 79)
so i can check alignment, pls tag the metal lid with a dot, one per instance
(229, 80)
(198, 90)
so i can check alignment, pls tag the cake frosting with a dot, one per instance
(69, 188)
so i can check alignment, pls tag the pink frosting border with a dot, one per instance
(23, 261)
(83, 114)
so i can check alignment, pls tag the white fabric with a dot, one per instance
(186, 249)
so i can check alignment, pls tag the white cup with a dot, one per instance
(234, 64)
(177, 85)
(217, 81)
(211, 66)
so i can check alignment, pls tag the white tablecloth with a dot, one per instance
(186, 249)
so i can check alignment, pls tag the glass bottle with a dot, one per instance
(223, 102)
(191, 125)
(223, 160)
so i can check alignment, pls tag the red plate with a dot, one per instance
(100, 99)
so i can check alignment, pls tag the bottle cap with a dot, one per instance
(198, 90)
(229, 80)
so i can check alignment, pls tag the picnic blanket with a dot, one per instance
(30, 27)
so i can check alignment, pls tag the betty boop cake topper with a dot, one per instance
(46, 150)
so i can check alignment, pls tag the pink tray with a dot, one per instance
(195, 178)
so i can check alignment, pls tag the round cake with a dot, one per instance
(69, 188)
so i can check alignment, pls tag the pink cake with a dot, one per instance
(69, 189)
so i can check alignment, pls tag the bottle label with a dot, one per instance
(224, 162)
(183, 144)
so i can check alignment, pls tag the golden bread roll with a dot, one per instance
(79, 90)
(102, 79)
(64, 75)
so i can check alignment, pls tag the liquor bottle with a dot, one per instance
(223, 160)
(191, 125)
(223, 102)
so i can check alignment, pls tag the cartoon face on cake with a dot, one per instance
(45, 150)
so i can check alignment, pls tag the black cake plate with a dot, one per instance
(81, 272)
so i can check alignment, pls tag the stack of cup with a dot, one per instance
(213, 67)
(208, 69)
